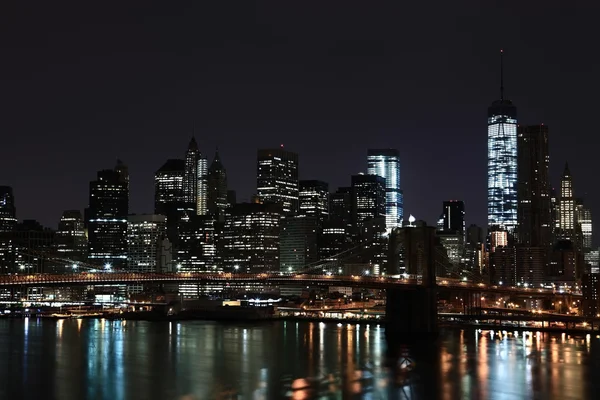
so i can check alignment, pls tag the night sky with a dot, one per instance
(82, 86)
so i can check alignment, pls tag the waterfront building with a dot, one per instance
(590, 289)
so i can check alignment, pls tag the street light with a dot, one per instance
(107, 266)
(178, 266)
(74, 266)
(236, 267)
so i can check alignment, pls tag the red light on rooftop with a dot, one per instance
(281, 145)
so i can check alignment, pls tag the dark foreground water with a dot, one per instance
(96, 359)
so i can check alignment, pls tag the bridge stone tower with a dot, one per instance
(411, 313)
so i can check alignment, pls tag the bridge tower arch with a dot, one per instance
(411, 312)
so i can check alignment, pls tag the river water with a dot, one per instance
(98, 359)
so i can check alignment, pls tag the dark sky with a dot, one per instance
(82, 86)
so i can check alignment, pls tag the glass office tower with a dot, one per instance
(502, 163)
(386, 163)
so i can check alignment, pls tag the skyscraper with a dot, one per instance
(202, 186)
(70, 238)
(107, 219)
(190, 175)
(8, 212)
(502, 161)
(584, 228)
(217, 187)
(31, 241)
(314, 199)
(250, 238)
(534, 209)
(8, 221)
(452, 232)
(566, 207)
(368, 198)
(453, 217)
(340, 206)
(148, 250)
(277, 178)
(298, 243)
(168, 186)
(386, 163)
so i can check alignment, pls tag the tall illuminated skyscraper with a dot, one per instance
(502, 161)
(566, 207)
(202, 186)
(386, 163)
(190, 175)
(584, 225)
(277, 178)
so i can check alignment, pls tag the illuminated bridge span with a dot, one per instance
(113, 278)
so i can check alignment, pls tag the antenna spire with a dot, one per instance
(501, 75)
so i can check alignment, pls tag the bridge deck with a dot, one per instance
(273, 279)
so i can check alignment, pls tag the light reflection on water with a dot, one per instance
(100, 359)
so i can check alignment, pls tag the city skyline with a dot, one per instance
(247, 197)
(352, 83)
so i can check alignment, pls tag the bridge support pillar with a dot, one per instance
(411, 315)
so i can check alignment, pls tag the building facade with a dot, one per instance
(250, 238)
(217, 188)
(534, 211)
(148, 248)
(313, 199)
(33, 245)
(298, 249)
(202, 186)
(277, 179)
(386, 163)
(566, 208)
(368, 198)
(502, 163)
(190, 176)
(340, 206)
(453, 217)
(8, 221)
(107, 220)
(71, 239)
(584, 225)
